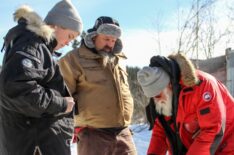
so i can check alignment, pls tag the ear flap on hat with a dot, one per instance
(89, 39)
(89, 42)
(107, 26)
(118, 46)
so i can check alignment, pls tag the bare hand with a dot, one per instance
(70, 104)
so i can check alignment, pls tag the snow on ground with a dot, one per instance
(141, 137)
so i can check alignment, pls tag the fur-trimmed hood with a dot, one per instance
(34, 22)
(187, 69)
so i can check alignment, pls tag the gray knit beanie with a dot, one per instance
(64, 14)
(152, 80)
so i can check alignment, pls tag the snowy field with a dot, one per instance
(141, 136)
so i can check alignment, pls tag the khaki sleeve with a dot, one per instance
(68, 73)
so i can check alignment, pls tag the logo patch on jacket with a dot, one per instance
(27, 63)
(207, 96)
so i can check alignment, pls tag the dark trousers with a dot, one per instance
(109, 141)
(24, 137)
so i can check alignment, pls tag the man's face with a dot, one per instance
(163, 101)
(104, 43)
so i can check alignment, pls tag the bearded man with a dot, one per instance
(195, 111)
(100, 88)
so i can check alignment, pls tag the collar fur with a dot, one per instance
(187, 69)
(34, 22)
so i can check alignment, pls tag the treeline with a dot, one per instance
(140, 101)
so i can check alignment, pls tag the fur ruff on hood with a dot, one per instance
(187, 69)
(34, 22)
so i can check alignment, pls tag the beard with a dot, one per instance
(107, 58)
(164, 107)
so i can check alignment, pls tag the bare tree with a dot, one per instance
(231, 22)
(192, 27)
(200, 33)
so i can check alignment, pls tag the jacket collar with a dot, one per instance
(34, 22)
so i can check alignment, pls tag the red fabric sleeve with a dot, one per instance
(158, 145)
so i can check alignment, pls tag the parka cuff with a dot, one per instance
(64, 105)
(57, 105)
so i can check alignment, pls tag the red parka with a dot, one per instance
(205, 119)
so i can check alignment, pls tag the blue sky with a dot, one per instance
(137, 19)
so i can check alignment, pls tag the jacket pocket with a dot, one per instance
(94, 73)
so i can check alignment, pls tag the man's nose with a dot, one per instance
(110, 44)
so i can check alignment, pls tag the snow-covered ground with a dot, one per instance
(141, 136)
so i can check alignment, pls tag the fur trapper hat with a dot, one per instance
(108, 26)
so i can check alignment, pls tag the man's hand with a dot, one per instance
(70, 104)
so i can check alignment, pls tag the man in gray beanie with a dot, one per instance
(36, 108)
(194, 111)
(155, 83)
(100, 87)
(153, 80)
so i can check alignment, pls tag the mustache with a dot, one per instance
(107, 48)
(164, 108)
